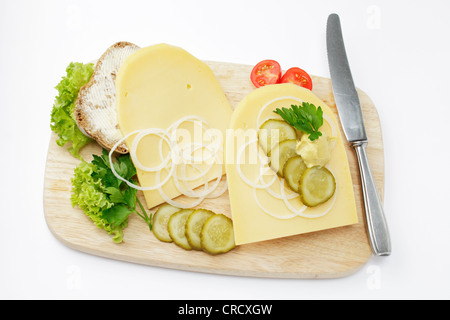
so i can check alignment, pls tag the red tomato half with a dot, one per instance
(297, 76)
(266, 72)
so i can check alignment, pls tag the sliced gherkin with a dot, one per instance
(292, 171)
(317, 185)
(217, 234)
(281, 153)
(176, 228)
(160, 221)
(194, 225)
(274, 131)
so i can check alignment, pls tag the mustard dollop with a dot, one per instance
(317, 152)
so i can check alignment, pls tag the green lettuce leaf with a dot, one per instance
(89, 193)
(105, 199)
(62, 115)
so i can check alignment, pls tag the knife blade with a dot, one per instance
(350, 114)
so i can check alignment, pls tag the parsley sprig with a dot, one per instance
(306, 118)
(123, 197)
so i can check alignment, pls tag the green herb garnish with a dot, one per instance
(106, 200)
(306, 118)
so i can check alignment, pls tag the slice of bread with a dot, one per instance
(95, 107)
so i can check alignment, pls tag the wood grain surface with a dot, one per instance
(330, 253)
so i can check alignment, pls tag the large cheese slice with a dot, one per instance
(262, 205)
(156, 87)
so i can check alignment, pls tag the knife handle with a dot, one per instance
(376, 221)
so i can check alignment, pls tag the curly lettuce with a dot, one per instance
(89, 193)
(62, 116)
(105, 199)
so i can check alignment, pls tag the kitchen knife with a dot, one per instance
(350, 114)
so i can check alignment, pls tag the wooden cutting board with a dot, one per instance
(325, 254)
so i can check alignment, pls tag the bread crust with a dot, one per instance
(98, 97)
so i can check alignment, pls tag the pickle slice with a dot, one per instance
(176, 228)
(160, 221)
(292, 171)
(274, 131)
(217, 234)
(194, 225)
(317, 185)
(281, 153)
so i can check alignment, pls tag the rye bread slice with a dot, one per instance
(95, 107)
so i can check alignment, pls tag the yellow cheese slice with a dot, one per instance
(258, 208)
(156, 87)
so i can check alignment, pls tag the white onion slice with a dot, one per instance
(143, 133)
(169, 164)
(174, 203)
(330, 121)
(130, 184)
(282, 217)
(191, 193)
(276, 195)
(288, 204)
(264, 107)
(200, 174)
(187, 191)
(253, 184)
(177, 203)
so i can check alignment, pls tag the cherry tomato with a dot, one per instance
(266, 72)
(297, 76)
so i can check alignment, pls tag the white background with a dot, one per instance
(399, 54)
